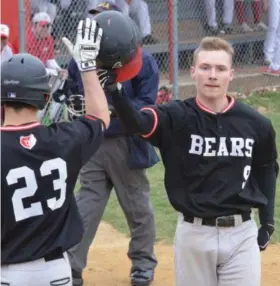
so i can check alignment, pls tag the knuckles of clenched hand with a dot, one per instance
(264, 235)
(107, 79)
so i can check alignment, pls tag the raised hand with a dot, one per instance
(87, 46)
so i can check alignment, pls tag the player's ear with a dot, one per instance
(192, 70)
(232, 72)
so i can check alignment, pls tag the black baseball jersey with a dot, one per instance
(209, 157)
(39, 169)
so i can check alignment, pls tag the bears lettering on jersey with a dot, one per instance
(223, 146)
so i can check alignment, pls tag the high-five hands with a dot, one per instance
(107, 79)
(87, 46)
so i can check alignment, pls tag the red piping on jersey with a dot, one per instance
(155, 121)
(204, 108)
(19, 127)
(90, 117)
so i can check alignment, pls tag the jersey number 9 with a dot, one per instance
(246, 174)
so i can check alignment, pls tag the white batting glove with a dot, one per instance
(87, 46)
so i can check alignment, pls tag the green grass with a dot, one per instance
(165, 216)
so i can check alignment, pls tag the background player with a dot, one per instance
(138, 11)
(213, 27)
(6, 48)
(40, 166)
(120, 163)
(220, 162)
(272, 42)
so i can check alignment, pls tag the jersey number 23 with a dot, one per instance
(28, 174)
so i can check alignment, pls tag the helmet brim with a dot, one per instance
(131, 69)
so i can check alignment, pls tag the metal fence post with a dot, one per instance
(170, 40)
(175, 49)
(21, 12)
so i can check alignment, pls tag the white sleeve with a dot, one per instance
(10, 51)
(64, 4)
(6, 53)
(52, 64)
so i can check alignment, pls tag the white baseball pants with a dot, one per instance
(217, 256)
(273, 23)
(39, 272)
(210, 6)
(272, 42)
(137, 9)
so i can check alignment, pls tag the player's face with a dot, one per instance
(212, 73)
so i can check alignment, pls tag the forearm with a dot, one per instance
(95, 100)
(267, 183)
(138, 104)
(135, 121)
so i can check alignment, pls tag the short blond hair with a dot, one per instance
(214, 44)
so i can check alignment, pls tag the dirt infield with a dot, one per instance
(108, 264)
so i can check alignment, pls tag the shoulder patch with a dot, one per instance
(28, 142)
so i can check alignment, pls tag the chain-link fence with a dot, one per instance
(249, 25)
(171, 31)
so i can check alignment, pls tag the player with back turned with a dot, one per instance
(40, 165)
(220, 161)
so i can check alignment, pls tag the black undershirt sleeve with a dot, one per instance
(266, 177)
(265, 169)
(155, 123)
(135, 121)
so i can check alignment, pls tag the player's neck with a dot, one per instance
(215, 105)
(20, 117)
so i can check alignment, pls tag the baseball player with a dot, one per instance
(40, 43)
(220, 161)
(212, 23)
(6, 49)
(120, 162)
(40, 165)
(272, 42)
(240, 6)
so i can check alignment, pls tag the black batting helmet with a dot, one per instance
(24, 79)
(120, 48)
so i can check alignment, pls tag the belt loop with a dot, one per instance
(180, 217)
(197, 221)
(252, 214)
(238, 220)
